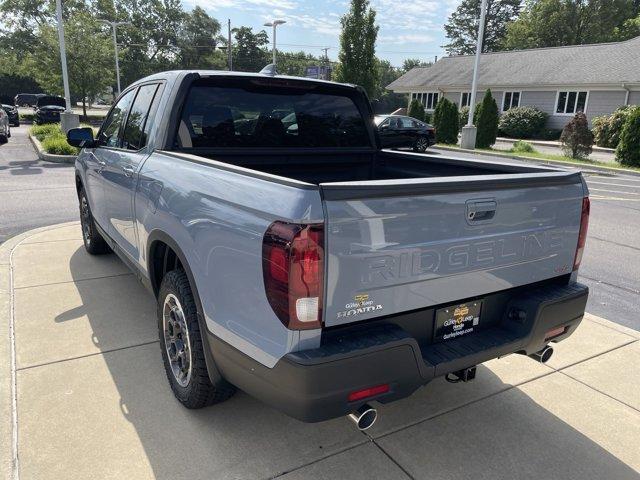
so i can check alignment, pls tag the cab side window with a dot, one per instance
(135, 132)
(110, 132)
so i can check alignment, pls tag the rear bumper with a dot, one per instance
(314, 385)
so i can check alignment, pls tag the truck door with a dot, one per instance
(121, 171)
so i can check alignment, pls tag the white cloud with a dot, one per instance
(408, 38)
(247, 4)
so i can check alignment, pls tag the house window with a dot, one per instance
(510, 100)
(569, 103)
(429, 100)
(465, 99)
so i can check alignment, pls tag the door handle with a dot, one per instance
(128, 170)
(101, 165)
(479, 211)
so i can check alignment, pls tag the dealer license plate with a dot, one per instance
(457, 320)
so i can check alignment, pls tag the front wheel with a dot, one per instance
(93, 241)
(182, 346)
(421, 145)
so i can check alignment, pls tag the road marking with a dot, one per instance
(613, 184)
(600, 197)
(626, 179)
(612, 191)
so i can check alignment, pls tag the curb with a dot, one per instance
(578, 166)
(550, 143)
(8, 412)
(50, 157)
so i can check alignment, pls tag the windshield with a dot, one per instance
(51, 101)
(257, 113)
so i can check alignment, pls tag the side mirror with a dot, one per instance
(81, 137)
(384, 127)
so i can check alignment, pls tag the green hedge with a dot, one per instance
(522, 122)
(487, 121)
(53, 140)
(607, 128)
(446, 121)
(628, 150)
(416, 110)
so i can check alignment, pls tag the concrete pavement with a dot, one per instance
(91, 400)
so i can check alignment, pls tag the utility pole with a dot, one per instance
(469, 131)
(113, 26)
(274, 24)
(229, 56)
(68, 119)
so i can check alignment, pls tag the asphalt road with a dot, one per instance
(34, 194)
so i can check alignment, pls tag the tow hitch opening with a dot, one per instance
(465, 375)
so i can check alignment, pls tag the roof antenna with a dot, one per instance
(269, 70)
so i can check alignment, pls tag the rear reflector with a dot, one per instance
(368, 392)
(556, 332)
(582, 236)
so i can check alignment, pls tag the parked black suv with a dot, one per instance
(397, 131)
(12, 112)
(27, 99)
(49, 108)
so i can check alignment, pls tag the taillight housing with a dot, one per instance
(582, 236)
(293, 272)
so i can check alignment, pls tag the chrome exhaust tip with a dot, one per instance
(543, 355)
(364, 417)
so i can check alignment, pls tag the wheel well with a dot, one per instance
(162, 260)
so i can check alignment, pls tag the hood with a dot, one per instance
(51, 108)
(49, 101)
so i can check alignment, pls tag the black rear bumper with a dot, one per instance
(314, 385)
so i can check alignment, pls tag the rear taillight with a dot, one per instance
(582, 236)
(293, 271)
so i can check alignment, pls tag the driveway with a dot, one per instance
(90, 398)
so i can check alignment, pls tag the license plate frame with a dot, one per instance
(456, 321)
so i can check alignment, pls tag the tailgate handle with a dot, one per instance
(481, 210)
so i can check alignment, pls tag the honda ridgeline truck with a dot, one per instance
(293, 258)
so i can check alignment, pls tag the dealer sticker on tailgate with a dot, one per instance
(457, 320)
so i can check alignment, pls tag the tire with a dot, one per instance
(421, 145)
(94, 244)
(4, 139)
(182, 346)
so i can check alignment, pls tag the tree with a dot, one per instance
(199, 37)
(249, 54)
(576, 138)
(89, 59)
(416, 110)
(487, 121)
(446, 121)
(462, 25)
(411, 63)
(628, 150)
(357, 47)
(558, 23)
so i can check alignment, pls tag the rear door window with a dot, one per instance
(252, 114)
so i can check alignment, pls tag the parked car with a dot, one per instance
(308, 266)
(27, 99)
(398, 131)
(49, 108)
(5, 128)
(12, 113)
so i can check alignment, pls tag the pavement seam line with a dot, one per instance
(74, 281)
(612, 328)
(596, 355)
(613, 285)
(62, 360)
(393, 460)
(600, 391)
(57, 240)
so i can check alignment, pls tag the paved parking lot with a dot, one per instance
(90, 399)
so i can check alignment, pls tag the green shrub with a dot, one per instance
(522, 147)
(628, 150)
(487, 121)
(427, 117)
(607, 128)
(463, 116)
(416, 110)
(522, 122)
(57, 145)
(576, 138)
(46, 130)
(446, 121)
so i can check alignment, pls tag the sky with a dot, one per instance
(408, 28)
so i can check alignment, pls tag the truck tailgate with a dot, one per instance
(398, 245)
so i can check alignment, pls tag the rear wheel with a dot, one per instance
(182, 346)
(422, 143)
(93, 241)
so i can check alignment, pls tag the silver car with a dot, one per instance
(5, 129)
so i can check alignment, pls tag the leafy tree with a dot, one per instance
(487, 121)
(296, 63)
(576, 138)
(628, 150)
(416, 110)
(557, 23)
(446, 121)
(462, 26)
(411, 63)
(629, 29)
(249, 53)
(89, 59)
(199, 37)
(357, 47)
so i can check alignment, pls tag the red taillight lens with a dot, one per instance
(582, 236)
(368, 392)
(293, 265)
(556, 332)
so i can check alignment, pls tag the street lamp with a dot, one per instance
(469, 131)
(274, 24)
(68, 119)
(113, 26)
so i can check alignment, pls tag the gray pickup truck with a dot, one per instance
(293, 258)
